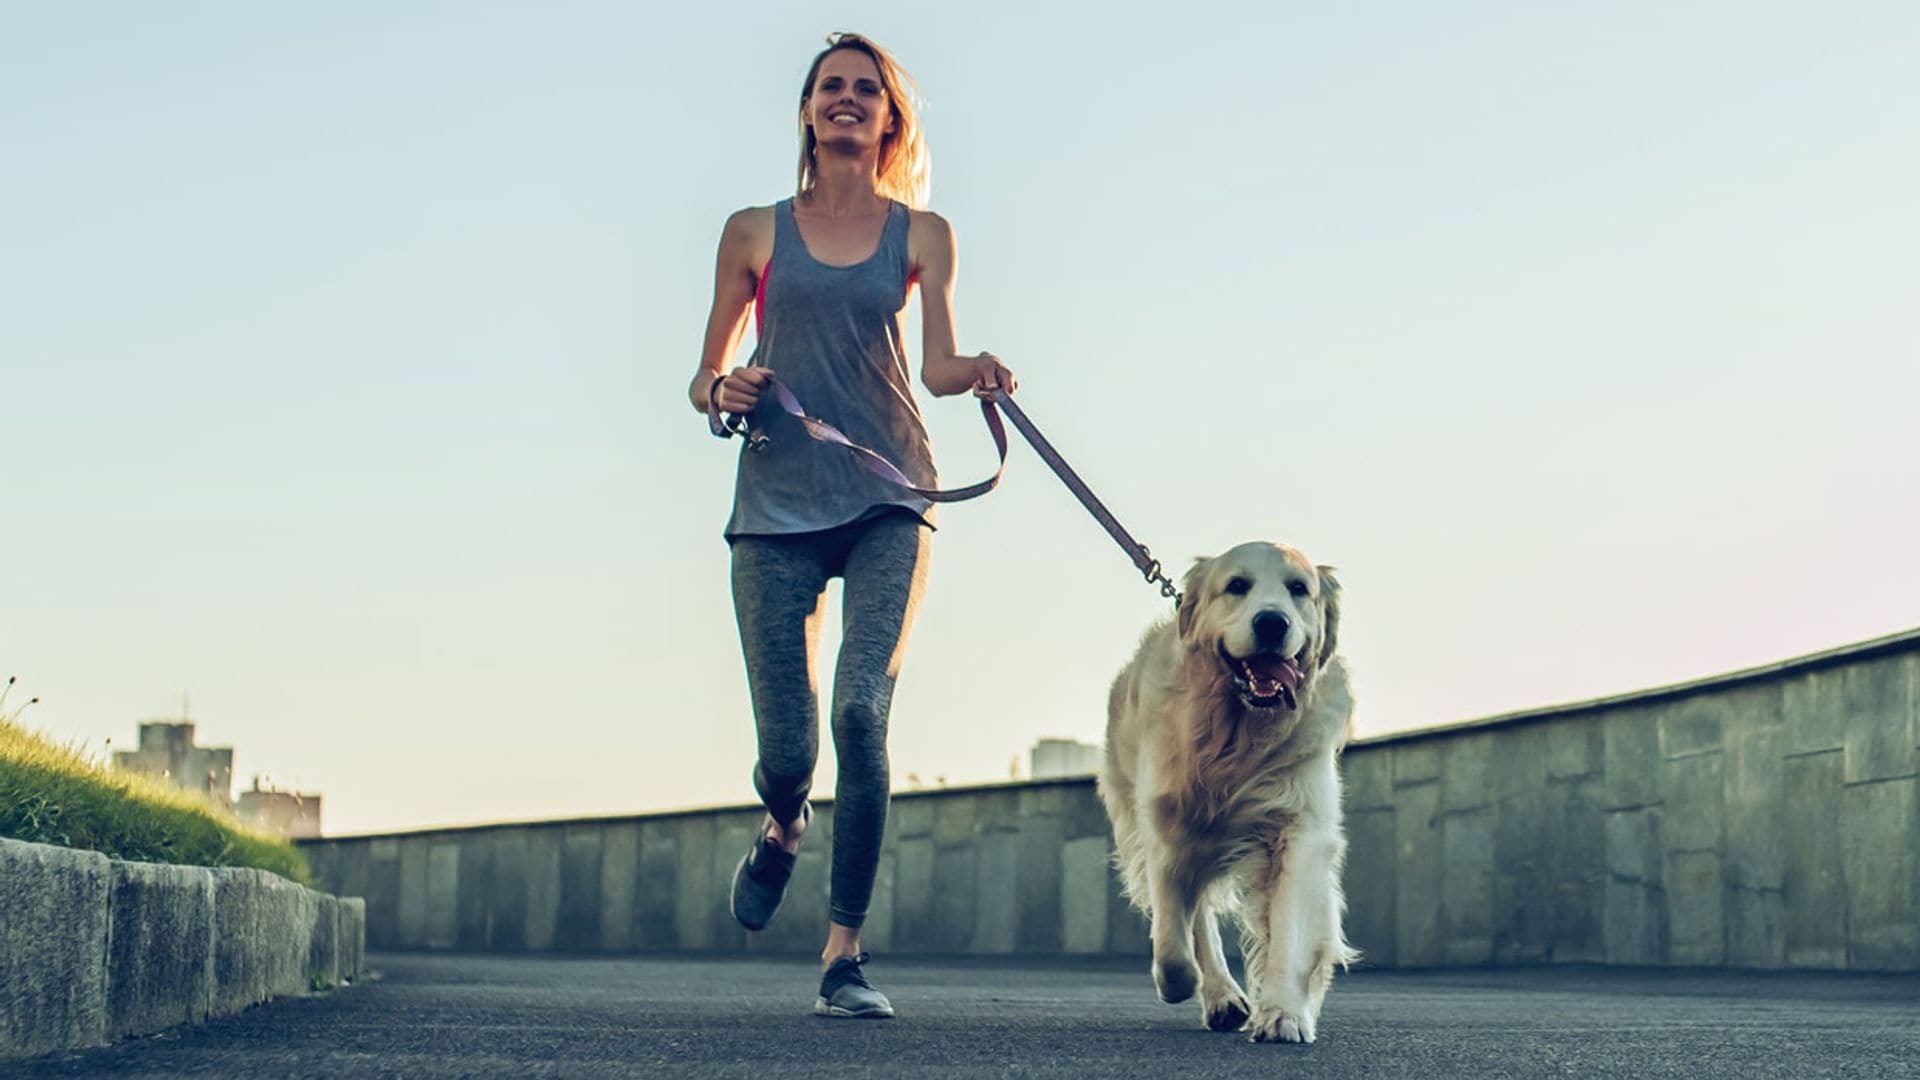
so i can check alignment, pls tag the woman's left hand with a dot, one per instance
(989, 374)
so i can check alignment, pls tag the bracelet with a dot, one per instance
(713, 394)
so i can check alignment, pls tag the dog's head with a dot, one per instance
(1267, 615)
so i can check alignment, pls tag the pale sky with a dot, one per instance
(343, 354)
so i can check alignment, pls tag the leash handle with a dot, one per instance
(873, 461)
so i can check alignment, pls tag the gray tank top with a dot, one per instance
(832, 334)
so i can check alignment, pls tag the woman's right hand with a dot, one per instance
(738, 391)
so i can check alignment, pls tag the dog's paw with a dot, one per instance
(1272, 1024)
(1226, 1010)
(1176, 980)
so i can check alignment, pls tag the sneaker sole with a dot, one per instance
(740, 869)
(822, 1008)
(734, 892)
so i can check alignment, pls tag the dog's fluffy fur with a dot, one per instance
(1220, 782)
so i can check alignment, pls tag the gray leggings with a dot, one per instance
(778, 582)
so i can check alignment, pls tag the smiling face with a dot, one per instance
(1266, 615)
(847, 105)
(858, 101)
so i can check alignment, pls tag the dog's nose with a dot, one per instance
(1269, 629)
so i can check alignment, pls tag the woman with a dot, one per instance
(830, 272)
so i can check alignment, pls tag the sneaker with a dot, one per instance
(845, 992)
(760, 881)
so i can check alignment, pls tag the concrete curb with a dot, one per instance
(160, 932)
(93, 949)
(53, 948)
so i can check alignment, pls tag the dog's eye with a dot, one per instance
(1297, 588)
(1239, 586)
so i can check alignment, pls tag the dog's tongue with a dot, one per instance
(1268, 673)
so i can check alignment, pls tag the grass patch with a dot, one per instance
(55, 794)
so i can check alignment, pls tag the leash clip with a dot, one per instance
(727, 425)
(1155, 575)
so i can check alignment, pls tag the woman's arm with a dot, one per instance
(942, 368)
(735, 278)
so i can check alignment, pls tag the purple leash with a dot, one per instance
(820, 430)
(875, 463)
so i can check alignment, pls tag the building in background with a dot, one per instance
(1063, 757)
(283, 813)
(167, 751)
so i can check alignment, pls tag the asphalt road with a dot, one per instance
(449, 1015)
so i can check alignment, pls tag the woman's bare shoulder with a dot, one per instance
(929, 240)
(751, 221)
(929, 223)
(750, 232)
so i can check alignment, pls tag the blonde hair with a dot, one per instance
(905, 172)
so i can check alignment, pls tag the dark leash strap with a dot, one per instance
(1143, 559)
(728, 425)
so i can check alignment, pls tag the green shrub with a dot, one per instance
(54, 794)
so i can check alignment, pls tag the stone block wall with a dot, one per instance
(1769, 819)
(1000, 869)
(1765, 819)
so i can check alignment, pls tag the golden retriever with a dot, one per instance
(1220, 782)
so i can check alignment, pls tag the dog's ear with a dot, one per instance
(1190, 595)
(1329, 613)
